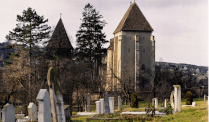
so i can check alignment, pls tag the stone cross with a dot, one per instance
(112, 105)
(8, 113)
(107, 108)
(88, 103)
(56, 99)
(119, 103)
(98, 107)
(102, 105)
(44, 113)
(32, 111)
(165, 103)
(177, 98)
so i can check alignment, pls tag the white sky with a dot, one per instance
(180, 26)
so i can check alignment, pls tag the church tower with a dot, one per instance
(131, 51)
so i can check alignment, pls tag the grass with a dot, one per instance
(187, 114)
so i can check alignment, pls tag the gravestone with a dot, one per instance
(67, 112)
(102, 105)
(156, 103)
(119, 103)
(98, 107)
(177, 98)
(112, 105)
(153, 102)
(172, 99)
(44, 111)
(32, 111)
(165, 103)
(194, 104)
(107, 108)
(88, 102)
(56, 99)
(8, 113)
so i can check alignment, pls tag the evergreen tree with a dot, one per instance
(90, 37)
(30, 30)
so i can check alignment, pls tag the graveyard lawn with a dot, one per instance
(188, 114)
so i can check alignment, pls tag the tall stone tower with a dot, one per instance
(131, 51)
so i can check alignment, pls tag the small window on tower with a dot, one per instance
(143, 37)
(128, 49)
(142, 67)
(143, 50)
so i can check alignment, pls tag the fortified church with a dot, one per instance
(130, 54)
(131, 51)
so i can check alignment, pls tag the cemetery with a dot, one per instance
(95, 84)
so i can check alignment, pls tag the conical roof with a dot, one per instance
(59, 38)
(133, 20)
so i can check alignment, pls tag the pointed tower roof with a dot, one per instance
(133, 20)
(59, 38)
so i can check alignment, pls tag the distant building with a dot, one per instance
(131, 50)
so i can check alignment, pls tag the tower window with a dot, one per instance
(143, 50)
(128, 49)
(143, 37)
(142, 67)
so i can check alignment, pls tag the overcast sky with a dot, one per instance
(180, 26)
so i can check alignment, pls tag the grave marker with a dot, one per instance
(32, 111)
(111, 102)
(98, 107)
(156, 103)
(119, 103)
(8, 113)
(44, 113)
(56, 99)
(102, 105)
(165, 103)
(88, 103)
(177, 98)
(107, 108)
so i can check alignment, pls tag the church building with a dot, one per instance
(131, 51)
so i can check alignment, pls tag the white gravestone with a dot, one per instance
(177, 98)
(107, 108)
(8, 113)
(119, 103)
(194, 104)
(165, 103)
(56, 99)
(32, 111)
(88, 103)
(111, 103)
(44, 113)
(102, 105)
(98, 107)
(156, 103)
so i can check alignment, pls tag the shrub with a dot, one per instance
(168, 110)
(134, 100)
(189, 98)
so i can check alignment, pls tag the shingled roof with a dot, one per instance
(59, 38)
(133, 20)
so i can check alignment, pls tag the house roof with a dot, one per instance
(59, 37)
(133, 20)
